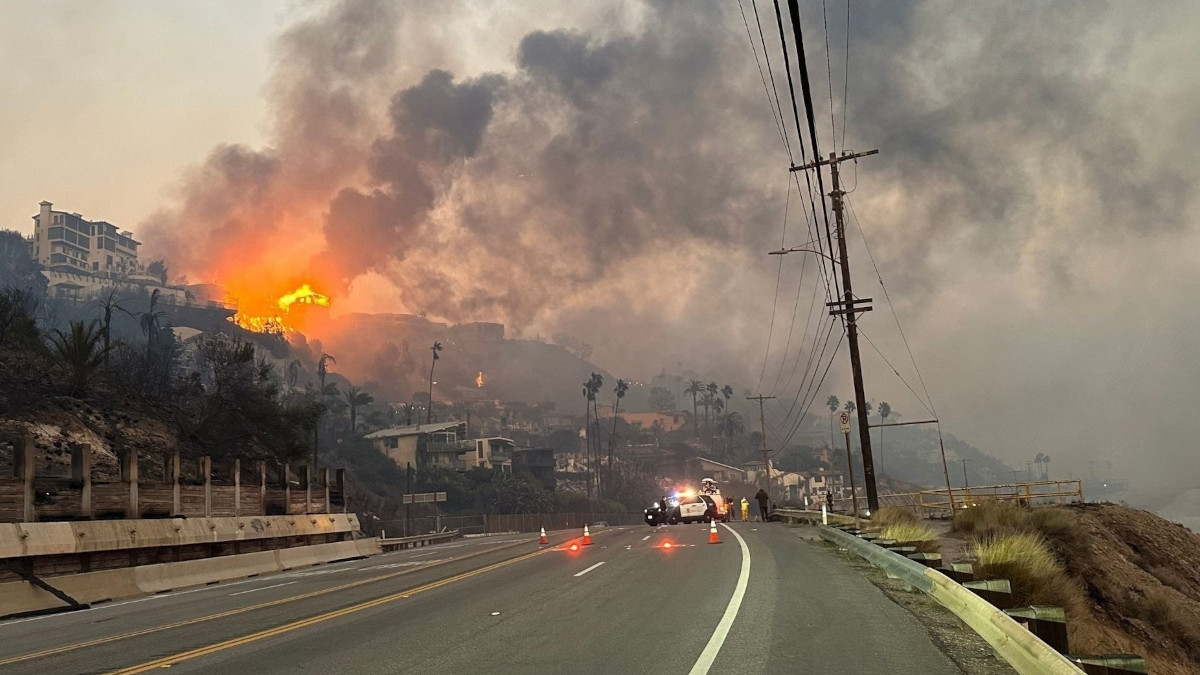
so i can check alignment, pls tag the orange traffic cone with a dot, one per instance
(542, 540)
(587, 536)
(713, 536)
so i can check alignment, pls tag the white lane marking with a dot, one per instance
(590, 569)
(709, 655)
(645, 537)
(255, 590)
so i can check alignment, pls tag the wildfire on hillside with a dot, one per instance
(279, 324)
(479, 380)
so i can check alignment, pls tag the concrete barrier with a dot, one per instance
(92, 587)
(18, 540)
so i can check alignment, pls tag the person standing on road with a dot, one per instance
(745, 510)
(763, 498)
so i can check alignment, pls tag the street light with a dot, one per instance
(801, 249)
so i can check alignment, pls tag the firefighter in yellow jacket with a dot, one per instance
(745, 510)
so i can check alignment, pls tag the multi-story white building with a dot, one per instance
(82, 259)
(66, 242)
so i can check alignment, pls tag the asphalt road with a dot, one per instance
(762, 601)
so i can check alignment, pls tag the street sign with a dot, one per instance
(845, 420)
(423, 498)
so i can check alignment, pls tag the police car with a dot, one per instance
(689, 507)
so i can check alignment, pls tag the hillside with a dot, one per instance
(1128, 579)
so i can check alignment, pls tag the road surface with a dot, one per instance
(762, 601)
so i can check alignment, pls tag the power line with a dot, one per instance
(846, 79)
(829, 76)
(806, 91)
(808, 406)
(803, 156)
(898, 375)
(776, 115)
(771, 73)
(775, 301)
(892, 308)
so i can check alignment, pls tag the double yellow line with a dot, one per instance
(242, 610)
(303, 623)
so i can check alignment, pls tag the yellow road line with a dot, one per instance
(241, 610)
(303, 623)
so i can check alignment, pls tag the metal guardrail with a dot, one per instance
(394, 543)
(935, 503)
(1020, 648)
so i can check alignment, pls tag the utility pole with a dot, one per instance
(848, 307)
(964, 463)
(407, 490)
(762, 421)
(850, 468)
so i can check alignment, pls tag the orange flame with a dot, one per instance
(479, 380)
(276, 324)
(304, 295)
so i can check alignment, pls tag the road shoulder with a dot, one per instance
(956, 640)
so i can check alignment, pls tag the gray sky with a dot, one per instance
(613, 171)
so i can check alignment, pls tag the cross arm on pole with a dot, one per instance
(841, 158)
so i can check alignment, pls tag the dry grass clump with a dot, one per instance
(909, 532)
(892, 515)
(1025, 559)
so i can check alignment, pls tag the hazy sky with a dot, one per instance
(613, 170)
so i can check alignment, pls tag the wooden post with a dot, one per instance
(81, 470)
(260, 467)
(25, 468)
(284, 471)
(306, 476)
(325, 481)
(173, 477)
(206, 472)
(340, 477)
(129, 475)
(237, 487)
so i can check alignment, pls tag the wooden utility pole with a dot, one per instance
(848, 307)
(850, 469)
(762, 421)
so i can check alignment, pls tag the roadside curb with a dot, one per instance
(1021, 649)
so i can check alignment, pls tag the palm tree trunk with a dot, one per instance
(612, 440)
(587, 430)
(429, 411)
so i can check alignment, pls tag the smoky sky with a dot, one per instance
(619, 175)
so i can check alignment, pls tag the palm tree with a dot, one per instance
(293, 374)
(437, 347)
(590, 388)
(885, 411)
(727, 392)
(322, 370)
(150, 321)
(850, 407)
(597, 381)
(694, 388)
(356, 397)
(706, 401)
(82, 351)
(728, 425)
(833, 403)
(622, 387)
